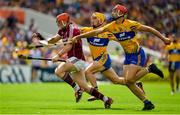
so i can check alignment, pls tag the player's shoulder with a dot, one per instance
(178, 45)
(131, 22)
(73, 26)
(170, 46)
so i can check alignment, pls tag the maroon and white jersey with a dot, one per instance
(71, 31)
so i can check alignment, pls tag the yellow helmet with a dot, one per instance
(99, 16)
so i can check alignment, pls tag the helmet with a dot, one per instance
(121, 8)
(99, 16)
(63, 18)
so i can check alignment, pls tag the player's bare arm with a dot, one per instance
(88, 34)
(51, 40)
(54, 39)
(155, 32)
(65, 49)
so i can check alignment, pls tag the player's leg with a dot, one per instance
(89, 72)
(171, 76)
(93, 68)
(177, 80)
(152, 68)
(79, 77)
(62, 71)
(111, 75)
(129, 73)
(177, 73)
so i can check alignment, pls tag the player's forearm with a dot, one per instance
(65, 50)
(87, 34)
(53, 40)
(154, 31)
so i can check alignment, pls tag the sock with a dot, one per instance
(70, 81)
(97, 94)
(76, 88)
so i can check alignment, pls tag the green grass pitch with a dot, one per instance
(58, 98)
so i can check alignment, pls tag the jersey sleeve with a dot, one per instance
(168, 47)
(135, 24)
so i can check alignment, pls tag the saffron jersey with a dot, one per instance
(125, 34)
(98, 44)
(173, 52)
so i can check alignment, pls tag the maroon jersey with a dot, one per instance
(71, 31)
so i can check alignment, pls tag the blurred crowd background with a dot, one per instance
(164, 15)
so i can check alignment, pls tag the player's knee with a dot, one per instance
(130, 81)
(58, 72)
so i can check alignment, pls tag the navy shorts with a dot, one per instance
(138, 58)
(173, 66)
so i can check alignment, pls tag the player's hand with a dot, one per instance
(38, 39)
(35, 35)
(167, 41)
(73, 40)
(55, 58)
(44, 42)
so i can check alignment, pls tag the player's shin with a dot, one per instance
(71, 82)
(107, 100)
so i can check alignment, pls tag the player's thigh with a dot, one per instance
(171, 74)
(94, 67)
(129, 72)
(64, 67)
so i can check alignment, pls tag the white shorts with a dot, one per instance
(78, 63)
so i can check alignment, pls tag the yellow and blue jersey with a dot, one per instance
(126, 35)
(98, 46)
(173, 52)
(174, 56)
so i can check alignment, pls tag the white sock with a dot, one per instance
(105, 98)
(76, 88)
